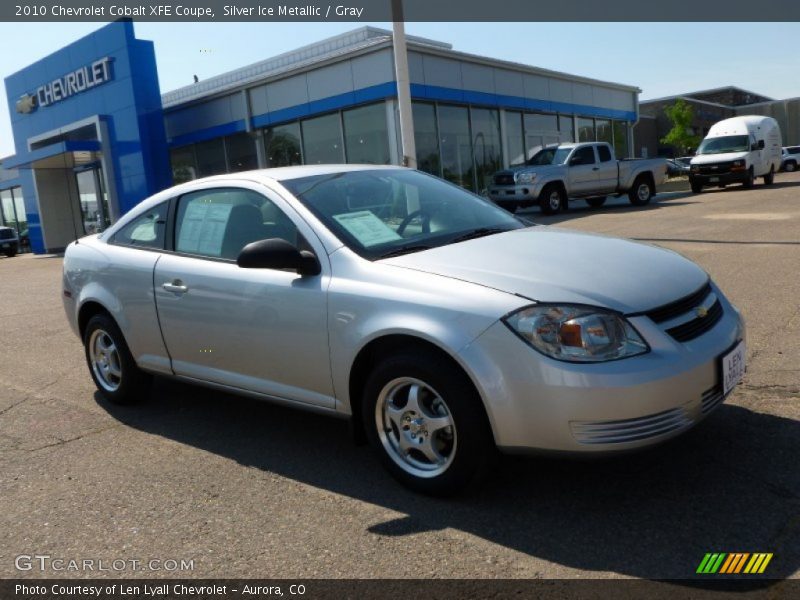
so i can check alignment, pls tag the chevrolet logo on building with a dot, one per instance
(26, 104)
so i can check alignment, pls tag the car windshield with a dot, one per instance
(554, 155)
(386, 212)
(727, 143)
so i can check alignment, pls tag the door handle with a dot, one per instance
(176, 287)
(595, 168)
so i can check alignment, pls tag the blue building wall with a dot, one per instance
(130, 104)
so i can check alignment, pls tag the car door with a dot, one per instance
(260, 330)
(607, 172)
(582, 171)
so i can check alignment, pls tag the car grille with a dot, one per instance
(6, 234)
(711, 398)
(630, 430)
(715, 169)
(692, 327)
(504, 179)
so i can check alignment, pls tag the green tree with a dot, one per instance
(680, 115)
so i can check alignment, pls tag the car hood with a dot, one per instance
(538, 169)
(550, 264)
(705, 159)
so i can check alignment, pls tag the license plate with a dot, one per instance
(733, 368)
(713, 179)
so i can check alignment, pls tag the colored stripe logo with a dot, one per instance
(733, 563)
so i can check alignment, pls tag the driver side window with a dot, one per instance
(218, 223)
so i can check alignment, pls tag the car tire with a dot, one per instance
(642, 191)
(790, 166)
(552, 200)
(696, 187)
(769, 178)
(405, 397)
(11, 253)
(511, 207)
(111, 364)
(751, 178)
(596, 202)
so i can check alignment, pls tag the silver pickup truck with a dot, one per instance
(586, 170)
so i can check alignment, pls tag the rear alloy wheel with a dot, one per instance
(790, 166)
(641, 192)
(748, 183)
(769, 178)
(596, 202)
(426, 421)
(552, 199)
(111, 365)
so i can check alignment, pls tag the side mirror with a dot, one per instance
(276, 253)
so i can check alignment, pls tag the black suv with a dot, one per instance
(9, 242)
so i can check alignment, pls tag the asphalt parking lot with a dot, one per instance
(245, 489)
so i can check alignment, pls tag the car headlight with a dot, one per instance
(695, 168)
(578, 334)
(525, 177)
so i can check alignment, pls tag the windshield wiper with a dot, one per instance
(477, 233)
(404, 250)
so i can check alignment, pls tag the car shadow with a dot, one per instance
(729, 485)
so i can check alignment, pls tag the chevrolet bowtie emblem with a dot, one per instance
(26, 104)
(701, 311)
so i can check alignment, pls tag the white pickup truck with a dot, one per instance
(586, 170)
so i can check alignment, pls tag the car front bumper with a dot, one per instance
(525, 194)
(721, 179)
(536, 403)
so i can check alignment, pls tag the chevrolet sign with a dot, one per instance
(77, 81)
(26, 104)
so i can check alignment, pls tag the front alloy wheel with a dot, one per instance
(415, 427)
(425, 419)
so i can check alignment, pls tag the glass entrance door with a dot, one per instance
(93, 199)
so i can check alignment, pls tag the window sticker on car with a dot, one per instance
(203, 228)
(368, 229)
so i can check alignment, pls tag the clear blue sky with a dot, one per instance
(661, 58)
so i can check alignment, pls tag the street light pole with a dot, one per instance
(409, 151)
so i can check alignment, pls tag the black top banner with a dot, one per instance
(412, 10)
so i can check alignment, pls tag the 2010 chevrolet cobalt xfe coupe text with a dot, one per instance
(443, 326)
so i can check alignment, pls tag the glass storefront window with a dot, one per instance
(426, 138)
(585, 130)
(566, 128)
(322, 140)
(515, 137)
(282, 145)
(604, 133)
(183, 165)
(241, 151)
(19, 204)
(485, 145)
(7, 206)
(366, 135)
(454, 141)
(621, 139)
(540, 130)
(210, 157)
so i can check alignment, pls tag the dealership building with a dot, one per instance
(94, 135)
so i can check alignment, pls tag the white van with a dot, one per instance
(737, 150)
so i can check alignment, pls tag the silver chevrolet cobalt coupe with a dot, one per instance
(443, 326)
